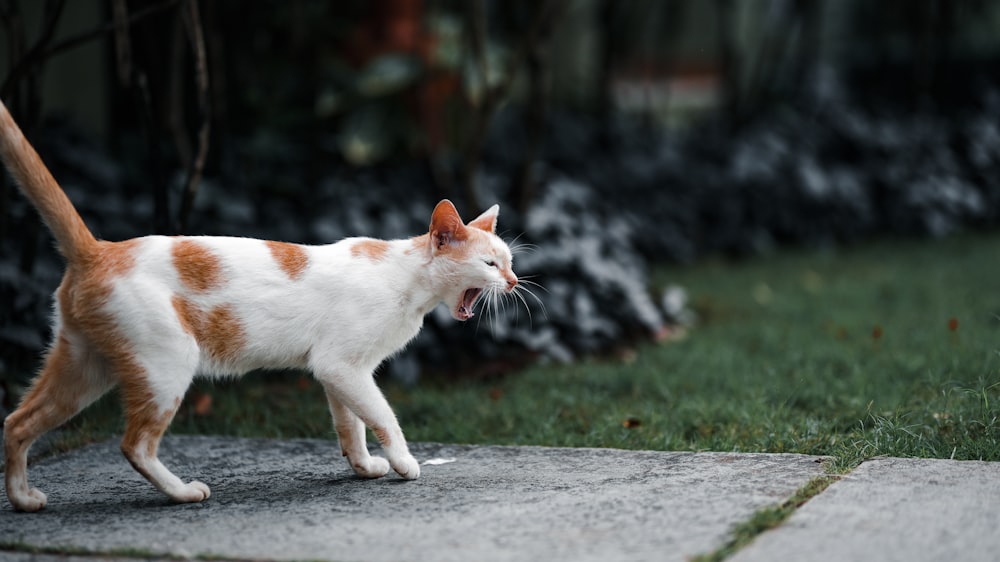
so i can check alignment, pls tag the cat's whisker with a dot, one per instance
(524, 302)
(541, 304)
(510, 300)
(487, 308)
(505, 299)
(524, 288)
(523, 249)
(527, 279)
(479, 319)
(497, 299)
(494, 308)
(516, 247)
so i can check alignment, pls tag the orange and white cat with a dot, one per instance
(150, 313)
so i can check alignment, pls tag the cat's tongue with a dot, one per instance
(464, 311)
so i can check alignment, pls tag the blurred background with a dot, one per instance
(617, 136)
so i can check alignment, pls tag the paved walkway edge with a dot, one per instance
(289, 500)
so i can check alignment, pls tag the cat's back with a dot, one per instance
(236, 296)
(204, 264)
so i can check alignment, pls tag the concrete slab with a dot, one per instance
(889, 509)
(284, 500)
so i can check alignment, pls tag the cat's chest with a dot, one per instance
(399, 333)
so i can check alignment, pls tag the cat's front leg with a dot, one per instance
(351, 434)
(359, 393)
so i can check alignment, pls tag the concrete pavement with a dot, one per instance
(292, 500)
(892, 509)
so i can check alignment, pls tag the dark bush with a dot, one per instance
(611, 198)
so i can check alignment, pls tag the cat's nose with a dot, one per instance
(511, 282)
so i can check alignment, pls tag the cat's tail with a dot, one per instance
(74, 239)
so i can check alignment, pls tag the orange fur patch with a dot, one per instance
(146, 423)
(87, 286)
(218, 331)
(53, 398)
(188, 314)
(346, 442)
(81, 296)
(420, 244)
(224, 336)
(382, 435)
(198, 268)
(291, 258)
(86, 289)
(117, 258)
(370, 248)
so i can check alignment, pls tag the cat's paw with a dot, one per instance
(371, 467)
(192, 492)
(30, 502)
(407, 467)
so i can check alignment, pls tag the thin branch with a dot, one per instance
(123, 46)
(53, 12)
(13, 23)
(175, 93)
(534, 123)
(729, 62)
(477, 44)
(549, 10)
(161, 199)
(34, 57)
(192, 21)
(492, 96)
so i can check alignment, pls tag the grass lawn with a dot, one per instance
(885, 349)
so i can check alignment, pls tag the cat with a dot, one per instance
(148, 314)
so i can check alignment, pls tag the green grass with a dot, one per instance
(765, 519)
(64, 551)
(886, 349)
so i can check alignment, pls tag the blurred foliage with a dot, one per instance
(824, 123)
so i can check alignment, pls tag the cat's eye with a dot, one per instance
(491, 263)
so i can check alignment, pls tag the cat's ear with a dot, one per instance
(446, 226)
(488, 220)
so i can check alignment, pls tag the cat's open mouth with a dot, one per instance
(464, 310)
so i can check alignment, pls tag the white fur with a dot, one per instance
(340, 319)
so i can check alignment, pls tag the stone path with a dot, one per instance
(895, 509)
(293, 500)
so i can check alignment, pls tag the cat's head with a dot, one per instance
(469, 260)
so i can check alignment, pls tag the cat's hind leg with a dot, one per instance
(71, 379)
(351, 433)
(151, 397)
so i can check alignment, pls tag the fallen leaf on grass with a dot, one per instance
(203, 404)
